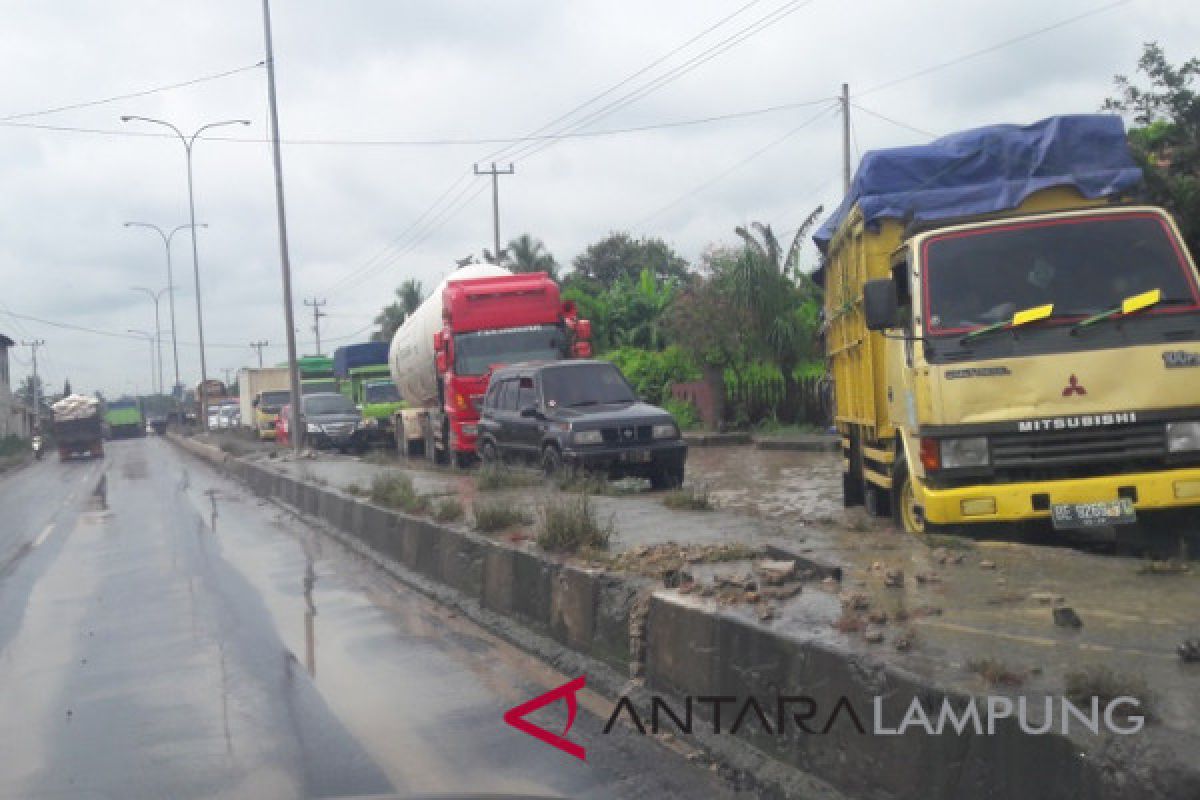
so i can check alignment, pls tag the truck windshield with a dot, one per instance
(318, 387)
(585, 385)
(475, 353)
(381, 393)
(1082, 266)
(328, 404)
(271, 401)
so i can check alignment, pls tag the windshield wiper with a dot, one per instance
(582, 403)
(1023, 317)
(1130, 305)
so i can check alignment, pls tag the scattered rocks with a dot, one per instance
(925, 611)
(765, 613)
(987, 564)
(1189, 651)
(877, 618)
(751, 597)
(905, 641)
(781, 592)
(893, 579)
(941, 555)
(1047, 598)
(855, 601)
(928, 577)
(773, 573)
(1065, 617)
(873, 635)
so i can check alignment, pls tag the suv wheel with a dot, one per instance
(667, 478)
(552, 462)
(488, 453)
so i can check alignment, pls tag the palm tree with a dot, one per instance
(527, 254)
(408, 297)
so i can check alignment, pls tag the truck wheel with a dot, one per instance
(441, 456)
(852, 479)
(552, 463)
(904, 505)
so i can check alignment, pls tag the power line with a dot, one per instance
(738, 165)
(895, 122)
(98, 332)
(992, 48)
(132, 95)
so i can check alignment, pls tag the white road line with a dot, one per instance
(42, 536)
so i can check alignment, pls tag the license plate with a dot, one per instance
(637, 457)
(1091, 515)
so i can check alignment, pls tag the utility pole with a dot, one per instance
(315, 305)
(297, 420)
(258, 347)
(227, 371)
(495, 173)
(36, 386)
(845, 138)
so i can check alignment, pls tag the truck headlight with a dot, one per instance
(587, 437)
(665, 430)
(968, 451)
(312, 427)
(1183, 436)
(370, 422)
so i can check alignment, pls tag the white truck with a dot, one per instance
(252, 383)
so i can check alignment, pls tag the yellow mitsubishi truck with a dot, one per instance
(1012, 340)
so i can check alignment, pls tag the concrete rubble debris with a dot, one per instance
(856, 601)
(893, 578)
(774, 573)
(873, 635)
(1065, 617)
(1189, 651)
(987, 564)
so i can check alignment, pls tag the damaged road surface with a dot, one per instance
(171, 635)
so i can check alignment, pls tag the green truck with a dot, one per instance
(362, 371)
(123, 419)
(316, 374)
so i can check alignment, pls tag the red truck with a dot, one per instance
(480, 317)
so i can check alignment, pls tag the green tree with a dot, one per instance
(408, 297)
(30, 389)
(1166, 141)
(527, 254)
(620, 255)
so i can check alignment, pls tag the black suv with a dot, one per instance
(578, 414)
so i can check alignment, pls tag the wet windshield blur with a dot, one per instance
(584, 385)
(475, 353)
(382, 393)
(328, 404)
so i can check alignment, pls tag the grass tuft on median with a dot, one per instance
(497, 515)
(570, 524)
(397, 491)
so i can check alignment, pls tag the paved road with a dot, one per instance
(165, 634)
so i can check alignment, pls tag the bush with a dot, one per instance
(652, 372)
(448, 510)
(1106, 685)
(397, 491)
(497, 476)
(12, 445)
(689, 498)
(570, 524)
(496, 516)
(685, 414)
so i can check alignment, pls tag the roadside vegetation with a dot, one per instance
(494, 477)
(497, 515)
(397, 491)
(448, 510)
(570, 524)
(995, 672)
(1107, 685)
(689, 498)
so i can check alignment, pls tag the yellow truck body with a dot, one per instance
(1054, 419)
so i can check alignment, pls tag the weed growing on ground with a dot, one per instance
(396, 491)
(948, 541)
(571, 524)
(355, 489)
(995, 672)
(448, 510)
(1106, 685)
(689, 498)
(498, 515)
(492, 477)
(583, 481)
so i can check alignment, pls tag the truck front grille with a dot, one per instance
(627, 434)
(1128, 443)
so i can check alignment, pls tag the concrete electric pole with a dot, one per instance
(258, 348)
(315, 305)
(36, 385)
(495, 173)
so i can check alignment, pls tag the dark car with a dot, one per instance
(332, 421)
(578, 414)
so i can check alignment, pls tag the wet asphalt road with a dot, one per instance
(163, 633)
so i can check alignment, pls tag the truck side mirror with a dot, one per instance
(881, 306)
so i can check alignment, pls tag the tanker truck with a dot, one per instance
(478, 318)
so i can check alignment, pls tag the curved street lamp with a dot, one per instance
(150, 339)
(155, 296)
(167, 237)
(188, 143)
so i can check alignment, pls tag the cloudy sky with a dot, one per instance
(378, 96)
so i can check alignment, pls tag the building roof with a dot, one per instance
(5, 341)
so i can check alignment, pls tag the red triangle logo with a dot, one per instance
(515, 716)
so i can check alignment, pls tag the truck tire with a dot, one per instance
(904, 501)
(852, 479)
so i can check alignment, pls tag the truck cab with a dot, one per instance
(1035, 364)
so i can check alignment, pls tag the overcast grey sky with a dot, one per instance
(369, 70)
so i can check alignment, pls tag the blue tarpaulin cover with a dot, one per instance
(358, 355)
(989, 169)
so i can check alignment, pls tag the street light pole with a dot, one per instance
(167, 237)
(150, 340)
(188, 142)
(155, 296)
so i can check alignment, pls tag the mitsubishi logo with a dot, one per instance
(627, 433)
(1073, 387)
(515, 716)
